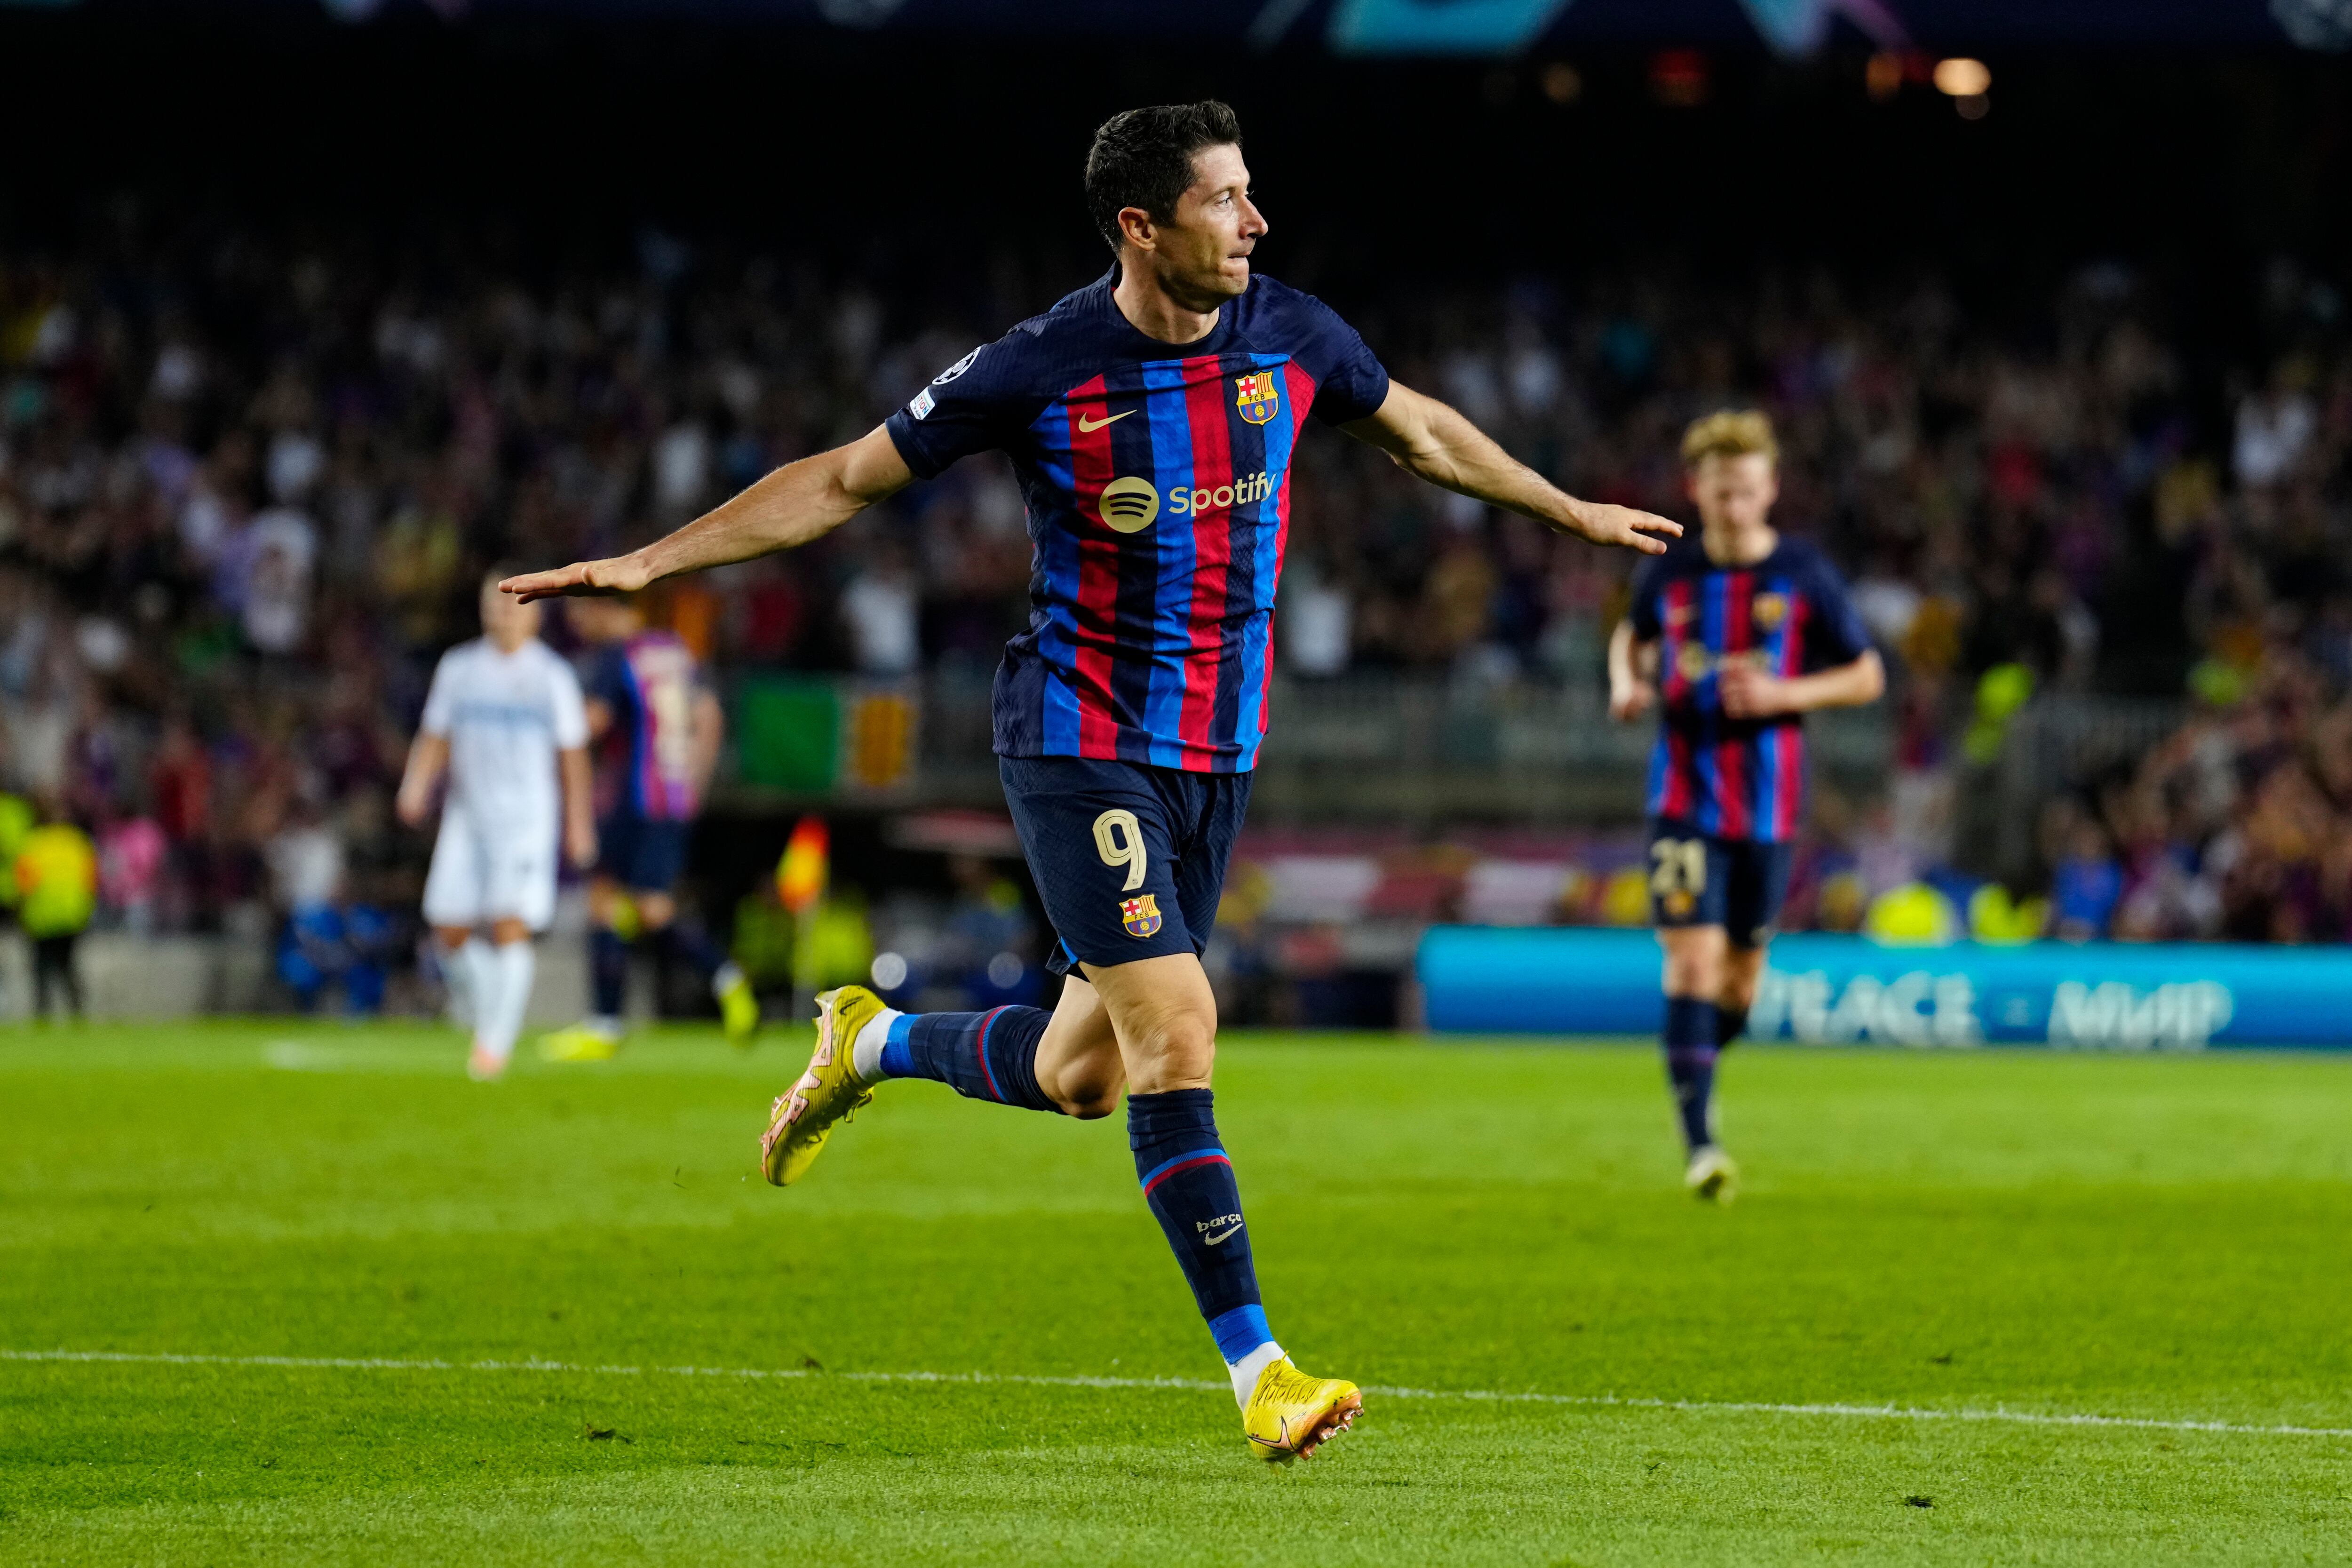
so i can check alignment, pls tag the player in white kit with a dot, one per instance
(506, 719)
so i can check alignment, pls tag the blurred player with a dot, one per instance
(1150, 417)
(656, 728)
(505, 718)
(1752, 632)
(54, 876)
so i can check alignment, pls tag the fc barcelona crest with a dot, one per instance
(1256, 397)
(1769, 611)
(1140, 915)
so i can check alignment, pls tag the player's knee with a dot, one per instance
(1693, 973)
(1087, 1085)
(1089, 1104)
(1181, 1045)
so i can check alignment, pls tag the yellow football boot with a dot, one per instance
(804, 1114)
(739, 1007)
(1291, 1414)
(580, 1043)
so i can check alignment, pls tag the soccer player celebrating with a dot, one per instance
(658, 729)
(505, 718)
(1150, 418)
(1740, 632)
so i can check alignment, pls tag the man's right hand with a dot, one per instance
(618, 575)
(1629, 700)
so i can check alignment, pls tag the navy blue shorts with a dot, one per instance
(1735, 883)
(1129, 859)
(640, 853)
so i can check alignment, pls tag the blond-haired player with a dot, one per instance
(1735, 635)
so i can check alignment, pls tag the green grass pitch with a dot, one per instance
(2167, 1241)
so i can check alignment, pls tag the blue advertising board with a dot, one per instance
(1848, 991)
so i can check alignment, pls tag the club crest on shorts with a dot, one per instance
(1678, 904)
(1140, 914)
(1256, 396)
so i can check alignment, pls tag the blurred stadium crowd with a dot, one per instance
(246, 486)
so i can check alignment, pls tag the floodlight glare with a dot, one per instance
(1962, 78)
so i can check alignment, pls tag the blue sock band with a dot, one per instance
(1691, 1042)
(1240, 1332)
(989, 1056)
(1188, 1181)
(898, 1053)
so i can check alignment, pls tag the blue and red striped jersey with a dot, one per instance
(645, 760)
(1157, 478)
(1737, 778)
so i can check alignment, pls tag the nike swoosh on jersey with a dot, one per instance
(1088, 427)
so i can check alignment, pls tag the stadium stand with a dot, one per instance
(245, 484)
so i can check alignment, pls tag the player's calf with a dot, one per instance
(1690, 1037)
(990, 1056)
(1742, 972)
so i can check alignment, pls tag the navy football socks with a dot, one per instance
(1692, 1041)
(989, 1056)
(1189, 1184)
(1729, 1023)
(608, 969)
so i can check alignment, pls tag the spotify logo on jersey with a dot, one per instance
(1130, 504)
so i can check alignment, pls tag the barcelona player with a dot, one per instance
(1150, 418)
(656, 728)
(1736, 633)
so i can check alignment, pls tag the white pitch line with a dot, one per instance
(1597, 1401)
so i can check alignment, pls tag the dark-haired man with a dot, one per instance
(1150, 417)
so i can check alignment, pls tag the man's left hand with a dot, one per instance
(1748, 692)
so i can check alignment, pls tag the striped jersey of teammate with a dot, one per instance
(1789, 615)
(1157, 478)
(649, 681)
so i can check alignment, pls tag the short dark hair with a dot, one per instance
(1143, 158)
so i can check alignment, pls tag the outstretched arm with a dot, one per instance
(1426, 437)
(792, 506)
